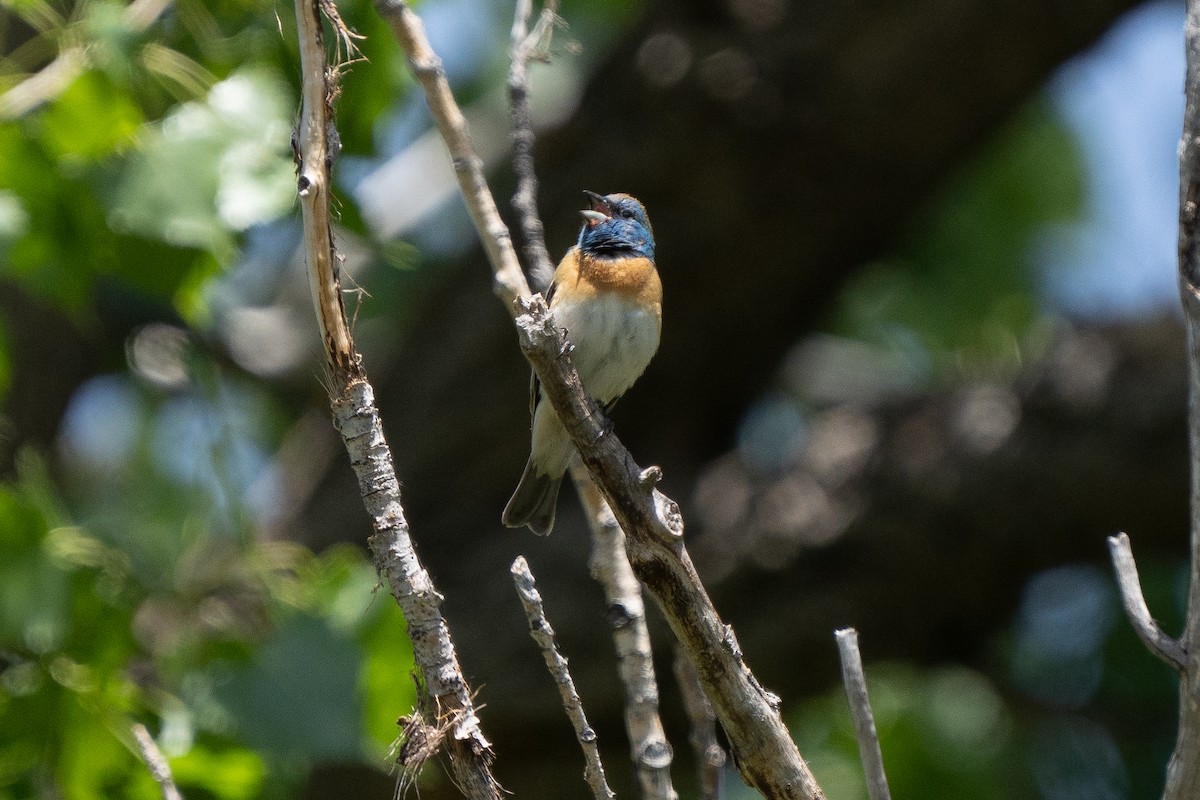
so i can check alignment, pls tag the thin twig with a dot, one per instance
(702, 729)
(626, 611)
(860, 710)
(525, 46)
(509, 281)
(764, 750)
(543, 634)
(1158, 642)
(357, 419)
(155, 762)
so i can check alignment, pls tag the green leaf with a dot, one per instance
(211, 169)
(92, 119)
(229, 773)
(298, 699)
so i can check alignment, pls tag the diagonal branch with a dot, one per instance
(763, 749)
(468, 167)
(156, 762)
(357, 419)
(543, 634)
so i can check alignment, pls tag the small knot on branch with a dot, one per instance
(428, 66)
(650, 476)
(618, 616)
(535, 323)
(656, 753)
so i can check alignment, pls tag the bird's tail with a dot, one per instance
(533, 502)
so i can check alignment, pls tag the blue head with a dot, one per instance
(616, 225)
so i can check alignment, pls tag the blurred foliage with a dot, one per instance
(960, 293)
(1040, 722)
(139, 580)
(150, 165)
(251, 660)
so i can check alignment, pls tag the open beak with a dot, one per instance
(599, 211)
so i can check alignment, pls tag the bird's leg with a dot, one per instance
(606, 425)
(567, 347)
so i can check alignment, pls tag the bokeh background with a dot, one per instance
(921, 355)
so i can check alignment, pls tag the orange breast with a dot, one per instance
(633, 278)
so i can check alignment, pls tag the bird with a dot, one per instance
(607, 295)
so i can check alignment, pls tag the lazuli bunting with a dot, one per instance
(607, 295)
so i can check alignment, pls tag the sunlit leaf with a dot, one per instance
(211, 169)
(230, 773)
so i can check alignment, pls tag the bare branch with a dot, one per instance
(860, 710)
(702, 725)
(1183, 771)
(156, 762)
(524, 47)
(314, 185)
(357, 419)
(1163, 646)
(543, 634)
(510, 282)
(626, 611)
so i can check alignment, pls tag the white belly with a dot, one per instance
(614, 341)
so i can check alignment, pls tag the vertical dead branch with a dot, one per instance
(155, 762)
(543, 634)
(626, 611)
(312, 148)
(855, 682)
(357, 419)
(1183, 772)
(702, 728)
